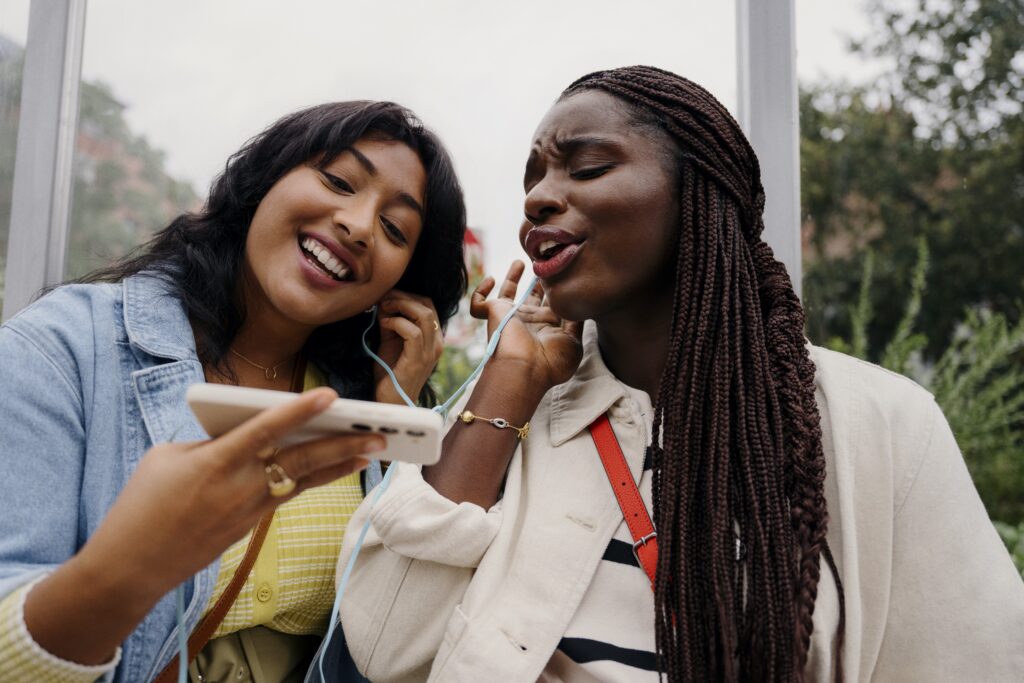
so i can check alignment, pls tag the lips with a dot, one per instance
(551, 249)
(328, 256)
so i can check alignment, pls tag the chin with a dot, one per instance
(571, 305)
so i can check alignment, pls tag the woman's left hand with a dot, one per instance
(411, 342)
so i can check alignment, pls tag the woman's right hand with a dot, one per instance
(183, 507)
(547, 347)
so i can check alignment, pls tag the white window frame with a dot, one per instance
(770, 116)
(43, 180)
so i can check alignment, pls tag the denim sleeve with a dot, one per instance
(41, 455)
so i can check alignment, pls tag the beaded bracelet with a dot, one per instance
(501, 423)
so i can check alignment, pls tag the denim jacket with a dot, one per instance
(91, 376)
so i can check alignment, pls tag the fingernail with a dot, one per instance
(325, 399)
(375, 446)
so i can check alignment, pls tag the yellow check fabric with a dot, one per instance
(291, 586)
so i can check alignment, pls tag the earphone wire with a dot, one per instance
(443, 409)
(179, 601)
(492, 345)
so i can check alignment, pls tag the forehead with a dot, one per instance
(386, 161)
(587, 113)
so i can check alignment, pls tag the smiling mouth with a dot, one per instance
(320, 257)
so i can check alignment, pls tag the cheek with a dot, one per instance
(388, 268)
(655, 213)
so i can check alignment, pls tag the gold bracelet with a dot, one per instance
(498, 422)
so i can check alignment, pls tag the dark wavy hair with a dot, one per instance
(200, 255)
(738, 478)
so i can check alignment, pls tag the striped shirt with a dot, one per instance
(611, 637)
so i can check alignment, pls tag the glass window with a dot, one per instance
(165, 104)
(13, 33)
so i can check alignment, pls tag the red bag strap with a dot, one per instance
(641, 528)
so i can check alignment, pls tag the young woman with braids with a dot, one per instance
(814, 518)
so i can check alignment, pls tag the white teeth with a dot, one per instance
(547, 246)
(326, 258)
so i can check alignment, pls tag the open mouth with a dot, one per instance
(549, 249)
(545, 242)
(552, 249)
(321, 257)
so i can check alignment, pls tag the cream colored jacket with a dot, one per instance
(451, 592)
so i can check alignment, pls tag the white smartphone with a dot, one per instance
(413, 434)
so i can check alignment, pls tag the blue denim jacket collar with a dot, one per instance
(156, 323)
(155, 319)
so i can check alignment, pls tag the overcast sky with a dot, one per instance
(198, 77)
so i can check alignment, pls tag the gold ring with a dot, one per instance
(278, 481)
(436, 326)
(267, 453)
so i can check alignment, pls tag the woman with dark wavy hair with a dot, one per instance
(702, 495)
(111, 494)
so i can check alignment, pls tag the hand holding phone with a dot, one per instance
(413, 434)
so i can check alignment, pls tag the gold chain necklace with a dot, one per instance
(269, 372)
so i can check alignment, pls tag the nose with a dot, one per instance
(356, 222)
(543, 201)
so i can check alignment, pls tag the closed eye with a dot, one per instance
(393, 231)
(335, 183)
(591, 172)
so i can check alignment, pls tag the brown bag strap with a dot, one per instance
(209, 623)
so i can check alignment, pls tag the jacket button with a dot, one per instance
(264, 593)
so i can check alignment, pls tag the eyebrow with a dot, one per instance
(568, 147)
(361, 158)
(403, 197)
(411, 202)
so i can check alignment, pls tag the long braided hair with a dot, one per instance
(739, 474)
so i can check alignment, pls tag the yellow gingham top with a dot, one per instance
(290, 588)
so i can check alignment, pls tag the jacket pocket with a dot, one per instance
(453, 633)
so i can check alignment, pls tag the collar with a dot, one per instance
(587, 395)
(155, 319)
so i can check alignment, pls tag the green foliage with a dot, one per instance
(978, 382)
(122, 194)
(869, 183)
(905, 342)
(459, 359)
(1013, 537)
(452, 369)
(923, 170)
(959, 63)
(933, 149)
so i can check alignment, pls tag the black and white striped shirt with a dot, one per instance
(611, 637)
